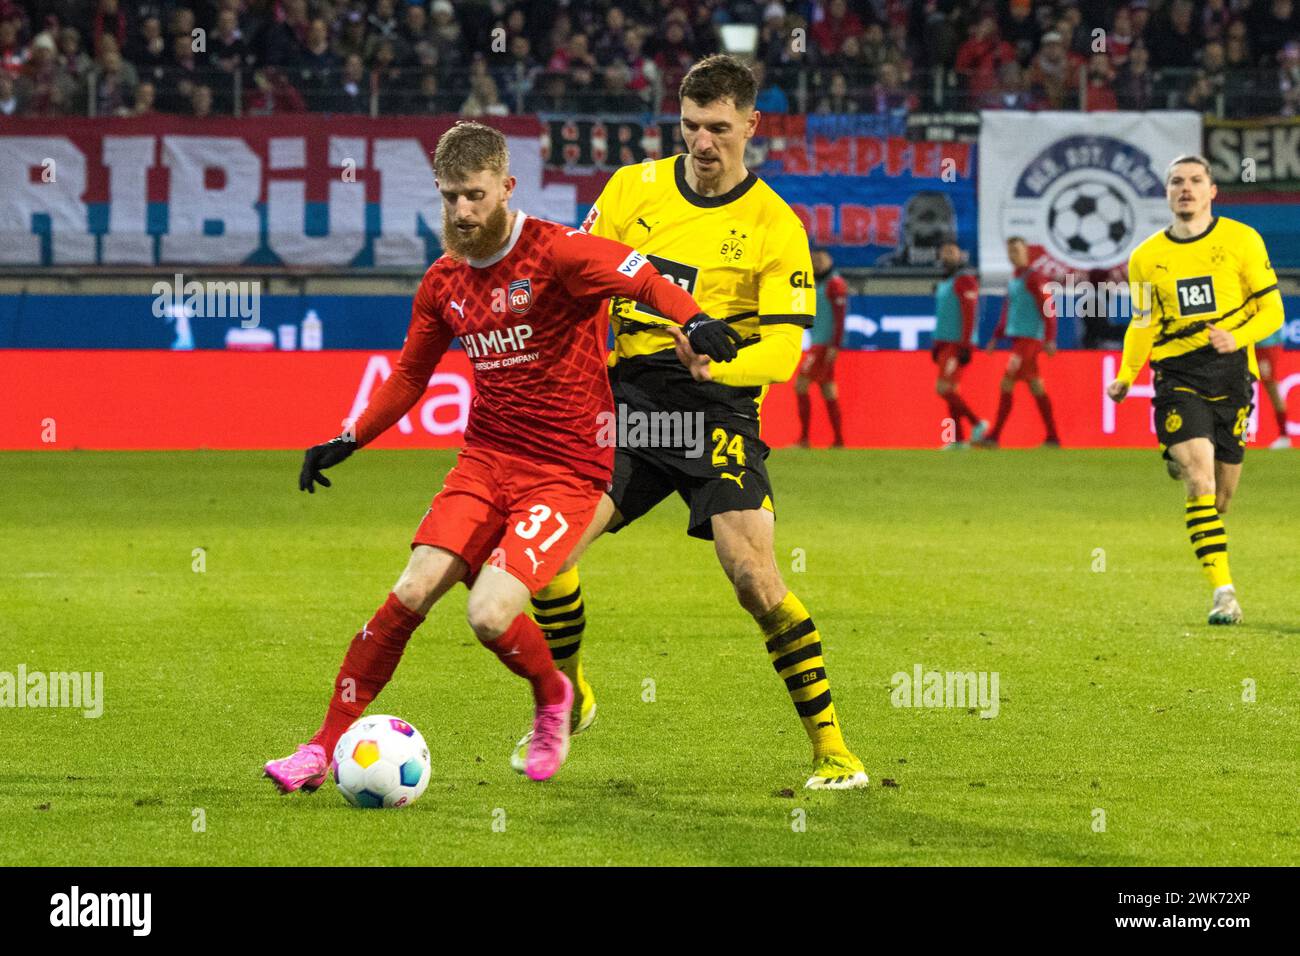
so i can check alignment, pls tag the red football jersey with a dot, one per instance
(532, 320)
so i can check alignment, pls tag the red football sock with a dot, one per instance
(1004, 409)
(523, 650)
(960, 409)
(1281, 421)
(805, 414)
(954, 413)
(1045, 409)
(837, 423)
(367, 667)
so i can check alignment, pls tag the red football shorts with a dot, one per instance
(519, 515)
(948, 356)
(816, 365)
(1268, 358)
(1023, 363)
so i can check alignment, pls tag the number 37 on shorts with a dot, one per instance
(521, 517)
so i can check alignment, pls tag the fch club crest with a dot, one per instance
(520, 295)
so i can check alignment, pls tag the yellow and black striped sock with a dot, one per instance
(795, 649)
(559, 612)
(1209, 538)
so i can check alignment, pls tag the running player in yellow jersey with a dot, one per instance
(1203, 293)
(711, 225)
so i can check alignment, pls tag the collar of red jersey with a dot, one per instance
(493, 259)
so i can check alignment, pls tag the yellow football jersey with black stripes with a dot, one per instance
(1180, 287)
(743, 255)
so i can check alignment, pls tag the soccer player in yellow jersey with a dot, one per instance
(1203, 293)
(712, 226)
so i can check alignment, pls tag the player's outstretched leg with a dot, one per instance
(743, 540)
(369, 663)
(495, 615)
(560, 613)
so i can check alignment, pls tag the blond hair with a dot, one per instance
(469, 148)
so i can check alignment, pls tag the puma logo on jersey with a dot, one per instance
(458, 307)
(738, 479)
(642, 222)
(533, 558)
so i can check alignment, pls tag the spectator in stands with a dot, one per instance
(382, 22)
(181, 75)
(317, 65)
(201, 101)
(431, 98)
(982, 55)
(1215, 17)
(1134, 84)
(771, 98)
(550, 95)
(415, 30)
(353, 37)
(108, 18)
(874, 49)
(8, 98)
(1054, 73)
(74, 63)
(1197, 96)
(148, 49)
(704, 37)
(1101, 89)
(145, 93)
(1288, 82)
(390, 74)
(614, 96)
(1275, 24)
(643, 75)
(483, 99)
(43, 88)
(890, 93)
(837, 100)
(573, 55)
(446, 31)
(1020, 30)
(273, 94)
(836, 21)
(515, 76)
(673, 59)
(1173, 42)
(348, 91)
(228, 54)
(12, 52)
(1140, 13)
(283, 41)
(609, 41)
(182, 23)
(1213, 67)
(114, 80)
(1012, 92)
(1119, 40)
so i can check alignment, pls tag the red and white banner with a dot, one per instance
(168, 400)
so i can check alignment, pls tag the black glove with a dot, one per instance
(712, 337)
(319, 457)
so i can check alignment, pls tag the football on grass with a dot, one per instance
(381, 761)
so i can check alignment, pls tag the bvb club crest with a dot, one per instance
(1173, 421)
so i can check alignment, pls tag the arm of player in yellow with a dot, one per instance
(1259, 277)
(773, 358)
(1141, 333)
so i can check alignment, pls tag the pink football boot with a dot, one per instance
(303, 770)
(550, 743)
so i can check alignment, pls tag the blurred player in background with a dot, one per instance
(525, 296)
(1029, 320)
(1268, 354)
(956, 312)
(826, 334)
(1203, 292)
(719, 231)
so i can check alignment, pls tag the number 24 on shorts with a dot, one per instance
(735, 447)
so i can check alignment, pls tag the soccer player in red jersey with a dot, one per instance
(818, 362)
(1029, 319)
(956, 311)
(526, 297)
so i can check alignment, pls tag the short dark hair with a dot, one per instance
(1189, 158)
(717, 76)
(468, 148)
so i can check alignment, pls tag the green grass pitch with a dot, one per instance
(1118, 705)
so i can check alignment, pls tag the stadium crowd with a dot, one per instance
(494, 57)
